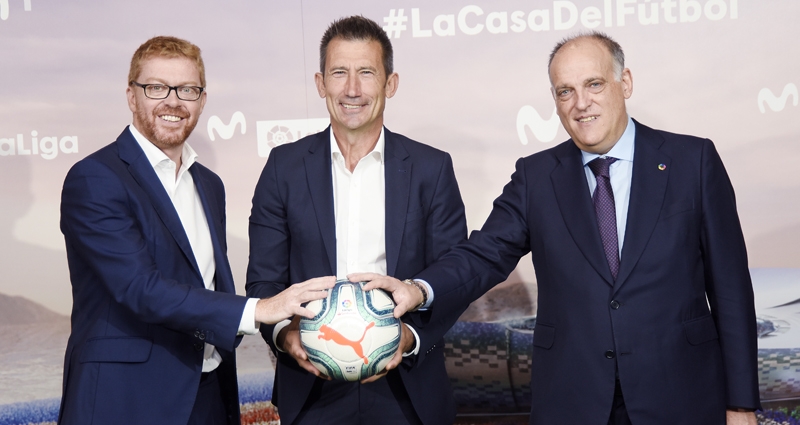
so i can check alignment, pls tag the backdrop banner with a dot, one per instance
(473, 82)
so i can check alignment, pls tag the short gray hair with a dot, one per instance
(613, 47)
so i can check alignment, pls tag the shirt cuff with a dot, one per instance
(278, 328)
(430, 296)
(248, 324)
(415, 351)
(741, 409)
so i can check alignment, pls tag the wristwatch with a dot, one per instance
(421, 290)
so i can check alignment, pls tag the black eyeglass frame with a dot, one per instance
(171, 88)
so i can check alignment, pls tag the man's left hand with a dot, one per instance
(741, 418)
(406, 344)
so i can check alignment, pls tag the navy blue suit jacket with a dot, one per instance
(679, 322)
(141, 312)
(293, 238)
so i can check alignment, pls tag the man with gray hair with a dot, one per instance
(646, 312)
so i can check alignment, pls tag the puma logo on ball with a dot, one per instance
(327, 333)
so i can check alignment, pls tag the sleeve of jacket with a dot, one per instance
(446, 226)
(728, 284)
(103, 226)
(473, 267)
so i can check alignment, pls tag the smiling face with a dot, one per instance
(589, 97)
(355, 86)
(166, 123)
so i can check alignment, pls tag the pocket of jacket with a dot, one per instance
(543, 335)
(414, 215)
(676, 208)
(700, 330)
(116, 350)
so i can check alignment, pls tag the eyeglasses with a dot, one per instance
(161, 91)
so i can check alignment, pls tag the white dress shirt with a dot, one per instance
(359, 207)
(186, 200)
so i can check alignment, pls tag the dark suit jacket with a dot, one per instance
(140, 310)
(293, 238)
(679, 361)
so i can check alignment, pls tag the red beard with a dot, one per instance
(161, 137)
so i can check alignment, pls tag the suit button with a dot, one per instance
(198, 346)
(614, 304)
(202, 337)
(610, 354)
(196, 334)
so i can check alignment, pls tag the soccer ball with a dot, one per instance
(353, 334)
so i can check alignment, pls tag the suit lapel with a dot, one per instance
(223, 275)
(648, 188)
(131, 153)
(320, 185)
(397, 171)
(575, 203)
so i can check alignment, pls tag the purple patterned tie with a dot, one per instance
(606, 212)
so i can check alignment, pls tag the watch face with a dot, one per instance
(421, 290)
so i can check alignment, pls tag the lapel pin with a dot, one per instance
(662, 167)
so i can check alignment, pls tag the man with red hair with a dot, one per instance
(155, 317)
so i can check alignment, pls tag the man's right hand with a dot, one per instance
(290, 301)
(289, 341)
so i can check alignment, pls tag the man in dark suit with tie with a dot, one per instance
(646, 311)
(354, 198)
(155, 317)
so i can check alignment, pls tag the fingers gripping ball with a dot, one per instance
(353, 334)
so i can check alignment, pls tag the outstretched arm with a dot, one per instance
(104, 218)
(291, 301)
